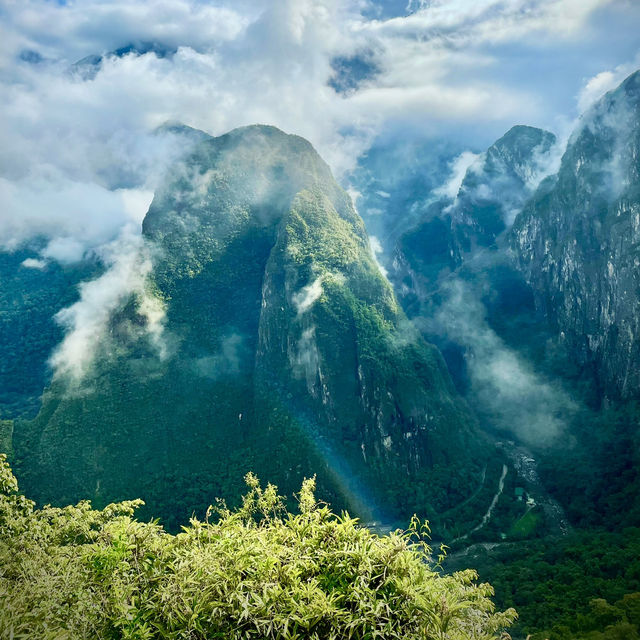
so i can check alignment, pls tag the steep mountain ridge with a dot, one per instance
(577, 241)
(456, 232)
(497, 184)
(281, 350)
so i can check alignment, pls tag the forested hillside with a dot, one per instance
(264, 338)
(383, 255)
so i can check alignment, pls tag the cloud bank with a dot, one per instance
(81, 155)
(504, 386)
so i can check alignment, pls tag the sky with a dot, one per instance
(79, 159)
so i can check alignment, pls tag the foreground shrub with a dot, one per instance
(256, 572)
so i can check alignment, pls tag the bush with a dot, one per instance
(256, 572)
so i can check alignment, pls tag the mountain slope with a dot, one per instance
(577, 241)
(32, 292)
(278, 347)
(494, 188)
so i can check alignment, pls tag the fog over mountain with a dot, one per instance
(391, 246)
(85, 141)
(339, 74)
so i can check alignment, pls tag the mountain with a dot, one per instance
(90, 65)
(531, 293)
(577, 242)
(393, 184)
(455, 281)
(265, 339)
(452, 231)
(538, 321)
(497, 184)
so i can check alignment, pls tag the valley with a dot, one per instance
(470, 357)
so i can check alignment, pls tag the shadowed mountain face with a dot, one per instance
(496, 186)
(460, 231)
(276, 346)
(577, 241)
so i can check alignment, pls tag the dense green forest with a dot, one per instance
(585, 584)
(29, 300)
(255, 572)
(559, 586)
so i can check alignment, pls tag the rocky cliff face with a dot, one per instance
(577, 241)
(281, 350)
(494, 188)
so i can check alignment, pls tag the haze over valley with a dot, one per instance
(394, 249)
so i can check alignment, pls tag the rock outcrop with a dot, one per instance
(578, 241)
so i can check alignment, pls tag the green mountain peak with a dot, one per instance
(285, 353)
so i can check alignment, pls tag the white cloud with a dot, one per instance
(245, 62)
(64, 250)
(469, 21)
(304, 299)
(34, 263)
(485, 101)
(305, 360)
(442, 60)
(87, 321)
(95, 27)
(75, 216)
(595, 88)
(459, 167)
(135, 202)
(604, 81)
(376, 251)
(503, 384)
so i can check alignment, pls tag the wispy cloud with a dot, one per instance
(304, 299)
(504, 386)
(74, 216)
(459, 167)
(605, 81)
(87, 321)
